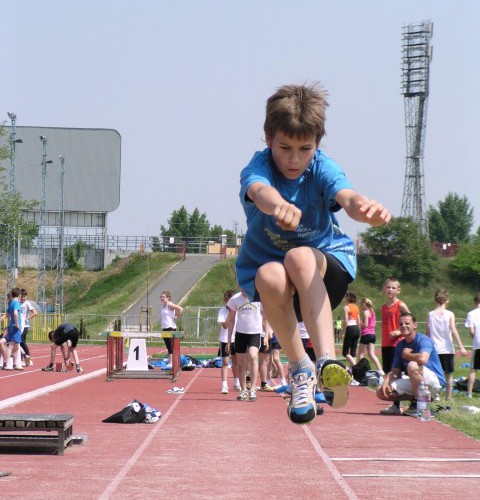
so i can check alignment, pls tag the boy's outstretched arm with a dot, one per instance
(362, 209)
(270, 202)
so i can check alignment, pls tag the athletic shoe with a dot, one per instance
(391, 410)
(224, 390)
(248, 383)
(282, 389)
(252, 395)
(243, 396)
(9, 368)
(19, 368)
(265, 388)
(334, 379)
(302, 407)
(412, 411)
(79, 369)
(320, 397)
(237, 387)
(48, 369)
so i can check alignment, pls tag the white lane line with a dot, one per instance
(330, 465)
(393, 459)
(419, 476)
(115, 483)
(27, 396)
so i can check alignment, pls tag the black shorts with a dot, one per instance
(369, 338)
(336, 281)
(263, 349)
(245, 340)
(447, 362)
(350, 342)
(275, 343)
(475, 364)
(388, 353)
(222, 350)
(169, 341)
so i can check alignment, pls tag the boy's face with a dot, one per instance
(292, 156)
(391, 288)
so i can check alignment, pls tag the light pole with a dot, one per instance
(42, 276)
(11, 255)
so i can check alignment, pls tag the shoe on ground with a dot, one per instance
(9, 368)
(252, 395)
(243, 396)
(391, 410)
(237, 387)
(302, 407)
(334, 379)
(18, 367)
(412, 410)
(224, 390)
(79, 369)
(282, 389)
(265, 388)
(48, 369)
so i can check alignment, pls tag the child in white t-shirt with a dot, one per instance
(473, 323)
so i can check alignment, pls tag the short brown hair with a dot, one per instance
(297, 111)
(441, 296)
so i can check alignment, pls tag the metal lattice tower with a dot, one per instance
(11, 254)
(61, 234)
(416, 57)
(42, 250)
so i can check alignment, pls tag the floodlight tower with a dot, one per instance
(61, 235)
(11, 254)
(416, 57)
(42, 236)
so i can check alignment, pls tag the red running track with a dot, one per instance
(208, 445)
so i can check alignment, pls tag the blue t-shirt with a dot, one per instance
(314, 194)
(14, 305)
(421, 343)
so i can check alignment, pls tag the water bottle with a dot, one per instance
(423, 402)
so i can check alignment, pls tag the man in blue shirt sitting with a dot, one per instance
(415, 356)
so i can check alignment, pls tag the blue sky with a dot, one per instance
(185, 84)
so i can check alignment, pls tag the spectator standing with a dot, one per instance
(440, 328)
(28, 312)
(473, 324)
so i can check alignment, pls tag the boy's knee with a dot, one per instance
(270, 277)
(299, 257)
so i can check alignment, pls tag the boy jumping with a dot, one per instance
(294, 257)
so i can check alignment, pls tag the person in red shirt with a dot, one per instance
(391, 312)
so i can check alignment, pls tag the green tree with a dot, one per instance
(466, 264)
(177, 224)
(13, 207)
(397, 249)
(451, 221)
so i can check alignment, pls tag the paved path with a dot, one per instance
(181, 278)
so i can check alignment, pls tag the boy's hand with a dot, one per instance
(374, 213)
(287, 216)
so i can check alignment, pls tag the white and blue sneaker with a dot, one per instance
(333, 378)
(302, 407)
